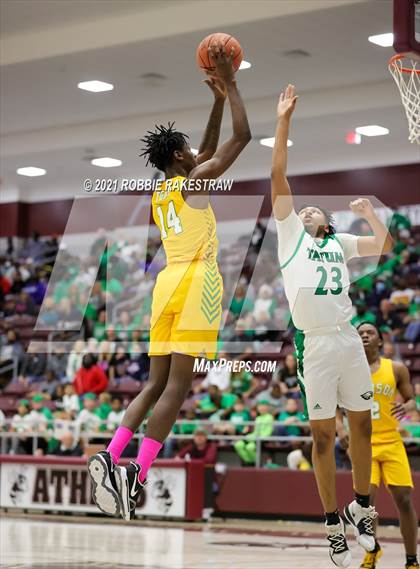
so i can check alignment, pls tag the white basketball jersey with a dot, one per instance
(315, 274)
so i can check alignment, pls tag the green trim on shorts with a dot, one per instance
(300, 349)
(295, 251)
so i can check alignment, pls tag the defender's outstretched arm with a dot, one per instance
(381, 241)
(281, 195)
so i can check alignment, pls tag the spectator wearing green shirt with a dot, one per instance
(88, 420)
(171, 444)
(215, 401)
(187, 428)
(103, 409)
(236, 414)
(290, 416)
(397, 222)
(240, 303)
(40, 415)
(243, 383)
(362, 314)
(112, 285)
(100, 326)
(239, 415)
(264, 425)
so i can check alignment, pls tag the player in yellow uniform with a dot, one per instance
(389, 458)
(186, 306)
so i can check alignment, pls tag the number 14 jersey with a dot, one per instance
(188, 234)
(315, 274)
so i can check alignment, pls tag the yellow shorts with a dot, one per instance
(186, 310)
(390, 464)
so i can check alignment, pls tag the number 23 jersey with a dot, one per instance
(315, 274)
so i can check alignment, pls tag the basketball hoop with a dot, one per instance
(407, 76)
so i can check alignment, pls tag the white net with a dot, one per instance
(406, 73)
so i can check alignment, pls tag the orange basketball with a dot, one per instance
(204, 60)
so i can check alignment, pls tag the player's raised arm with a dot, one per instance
(381, 241)
(230, 150)
(211, 135)
(281, 196)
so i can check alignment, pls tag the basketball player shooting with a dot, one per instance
(332, 365)
(184, 319)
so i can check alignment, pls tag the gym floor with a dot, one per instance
(63, 542)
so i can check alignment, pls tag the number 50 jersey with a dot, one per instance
(315, 274)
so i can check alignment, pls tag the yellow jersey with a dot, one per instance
(384, 425)
(188, 234)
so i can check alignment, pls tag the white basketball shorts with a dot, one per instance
(333, 371)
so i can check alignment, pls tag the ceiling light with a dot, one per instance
(95, 86)
(106, 162)
(384, 40)
(372, 130)
(31, 171)
(270, 142)
(245, 65)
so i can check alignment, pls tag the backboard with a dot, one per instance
(407, 27)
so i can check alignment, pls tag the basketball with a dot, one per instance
(204, 60)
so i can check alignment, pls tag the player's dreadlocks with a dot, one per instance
(161, 144)
(328, 216)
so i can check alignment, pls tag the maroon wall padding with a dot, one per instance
(45, 217)
(9, 219)
(285, 492)
(195, 490)
(393, 185)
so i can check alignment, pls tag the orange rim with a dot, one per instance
(398, 57)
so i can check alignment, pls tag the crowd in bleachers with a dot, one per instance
(63, 392)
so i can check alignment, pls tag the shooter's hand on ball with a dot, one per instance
(287, 102)
(217, 86)
(223, 63)
(363, 208)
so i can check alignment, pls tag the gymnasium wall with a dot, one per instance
(393, 185)
(283, 492)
